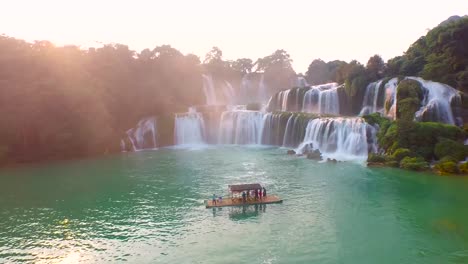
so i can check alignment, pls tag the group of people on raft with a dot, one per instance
(257, 194)
(246, 195)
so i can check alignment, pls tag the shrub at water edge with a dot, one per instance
(414, 163)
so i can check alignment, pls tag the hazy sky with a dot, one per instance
(327, 29)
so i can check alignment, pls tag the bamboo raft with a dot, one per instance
(272, 199)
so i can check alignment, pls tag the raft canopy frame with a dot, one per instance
(238, 188)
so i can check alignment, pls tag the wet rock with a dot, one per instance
(309, 148)
(314, 155)
(291, 152)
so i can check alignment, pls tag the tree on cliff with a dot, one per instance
(277, 69)
(441, 55)
(375, 67)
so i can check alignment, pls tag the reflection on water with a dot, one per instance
(245, 212)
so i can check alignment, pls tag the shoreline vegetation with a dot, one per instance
(62, 103)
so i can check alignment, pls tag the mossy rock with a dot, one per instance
(401, 153)
(414, 163)
(376, 158)
(315, 155)
(392, 163)
(375, 118)
(446, 167)
(463, 168)
(448, 147)
(409, 96)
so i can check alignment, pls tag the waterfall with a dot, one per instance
(274, 128)
(229, 93)
(338, 138)
(245, 89)
(253, 89)
(371, 97)
(295, 129)
(301, 82)
(144, 135)
(209, 89)
(240, 127)
(189, 128)
(436, 105)
(319, 99)
(262, 90)
(391, 98)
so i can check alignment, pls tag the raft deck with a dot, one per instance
(272, 199)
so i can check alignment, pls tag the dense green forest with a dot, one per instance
(62, 102)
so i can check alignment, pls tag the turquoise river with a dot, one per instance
(147, 207)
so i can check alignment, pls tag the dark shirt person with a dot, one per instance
(243, 196)
(264, 192)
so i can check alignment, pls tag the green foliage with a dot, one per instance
(462, 80)
(243, 65)
(375, 67)
(392, 163)
(409, 96)
(401, 153)
(448, 147)
(419, 137)
(320, 72)
(463, 168)
(62, 102)
(414, 163)
(387, 138)
(376, 158)
(446, 166)
(376, 118)
(277, 68)
(441, 55)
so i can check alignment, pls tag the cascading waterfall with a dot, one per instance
(189, 128)
(436, 105)
(240, 127)
(273, 129)
(229, 93)
(338, 138)
(319, 99)
(371, 98)
(295, 130)
(322, 99)
(390, 98)
(144, 135)
(262, 90)
(253, 89)
(209, 89)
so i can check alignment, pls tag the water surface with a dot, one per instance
(147, 207)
